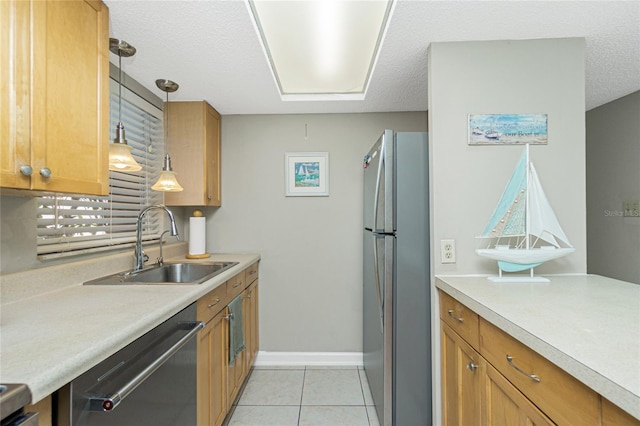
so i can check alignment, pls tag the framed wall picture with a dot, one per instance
(507, 129)
(306, 174)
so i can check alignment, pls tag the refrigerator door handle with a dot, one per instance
(376, 196)
(377, 275)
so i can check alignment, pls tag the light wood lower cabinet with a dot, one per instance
(503, 404)
(44, 409)
(218, 382)
(489, 378)
(251, 334)
(461, 379)
(614, 416)
(213, 356)
(562, 397)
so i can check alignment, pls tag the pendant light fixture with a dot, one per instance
(167, 181)
(120, 158)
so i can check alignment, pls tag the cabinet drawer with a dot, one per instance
(212, 303)
(460, 318)
(560, 396)
(252, 273)
(235, 285)
(503, 404)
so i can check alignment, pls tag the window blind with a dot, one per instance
(73, 224)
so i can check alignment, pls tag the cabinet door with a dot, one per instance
(213, 191)
(461, 380)
(213, 343)
(250, 310)
(504, 405)
(255, 323)
(220, 362)
(15, 91)
(247, 322)
(70, 110)
(194, 146)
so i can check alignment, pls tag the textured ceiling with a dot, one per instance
(212, 50)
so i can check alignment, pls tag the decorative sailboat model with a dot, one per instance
(523, 229)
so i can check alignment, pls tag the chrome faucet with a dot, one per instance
(160, 259)
(140, 256)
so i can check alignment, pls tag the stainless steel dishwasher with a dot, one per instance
(152, 381)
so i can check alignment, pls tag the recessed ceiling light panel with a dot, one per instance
(321, 46)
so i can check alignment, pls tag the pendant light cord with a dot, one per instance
(119, 87)
(166, 145)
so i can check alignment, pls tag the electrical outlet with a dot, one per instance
(631, 208)
(448, 251)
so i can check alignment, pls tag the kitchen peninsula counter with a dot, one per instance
(49, 338)
(587, 325)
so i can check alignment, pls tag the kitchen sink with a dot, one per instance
(168, 273)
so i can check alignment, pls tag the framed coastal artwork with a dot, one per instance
(507, 129)
(306, 174)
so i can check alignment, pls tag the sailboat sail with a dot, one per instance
(508, 219)
(543, 221)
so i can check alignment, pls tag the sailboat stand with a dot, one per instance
(524, 212)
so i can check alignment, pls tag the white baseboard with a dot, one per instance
(267, 358)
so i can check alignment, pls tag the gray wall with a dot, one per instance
(17, 233)
(530, 76)
(311, 247)
(613, 176)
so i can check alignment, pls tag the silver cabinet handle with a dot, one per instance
(531, 376)
(472, 367)
(228, 317)
(450, 312)
(214, 304)
(26, 170)
(209, 197)
(239, 283)
(109, 402)
(45, 172)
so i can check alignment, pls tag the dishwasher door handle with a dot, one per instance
(109, 402)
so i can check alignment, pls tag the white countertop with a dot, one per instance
(587, 325)
(49, 339)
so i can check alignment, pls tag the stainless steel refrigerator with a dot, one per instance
(396, 288)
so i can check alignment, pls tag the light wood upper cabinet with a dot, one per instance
(194, 147)
(54, 108)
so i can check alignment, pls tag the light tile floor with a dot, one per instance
(305, 396)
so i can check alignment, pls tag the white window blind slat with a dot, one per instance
(69, 224)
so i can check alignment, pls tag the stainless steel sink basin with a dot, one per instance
(169, 273)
